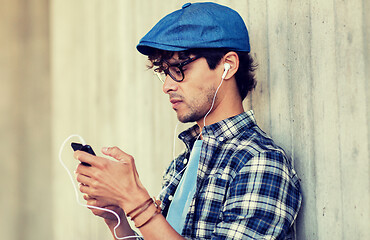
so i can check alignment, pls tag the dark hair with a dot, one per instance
(244, 77)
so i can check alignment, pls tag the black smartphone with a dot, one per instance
(85, 148)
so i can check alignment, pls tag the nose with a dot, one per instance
(169, 85)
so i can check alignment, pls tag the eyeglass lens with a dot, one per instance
(174, 71)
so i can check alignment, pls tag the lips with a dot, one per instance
(175, 102)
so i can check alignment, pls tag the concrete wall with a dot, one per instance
(70, 67)
(25, 122)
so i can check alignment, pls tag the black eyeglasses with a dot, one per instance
(174, 70)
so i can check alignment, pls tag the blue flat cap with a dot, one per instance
(197, 25)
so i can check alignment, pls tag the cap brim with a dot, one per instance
(148, 48)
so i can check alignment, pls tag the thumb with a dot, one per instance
(116, 153)
(121, 156)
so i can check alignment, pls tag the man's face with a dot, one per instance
(192, 98)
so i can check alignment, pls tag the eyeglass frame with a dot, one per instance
(177, 65)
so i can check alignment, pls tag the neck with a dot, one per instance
(225, 109)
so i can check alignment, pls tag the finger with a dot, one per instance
(97, 203)
(83, 179)
(93, 201)
(117, 154)
(88, 198)
(87, 190)
(84, 170)
(84, 157)
(83, 188)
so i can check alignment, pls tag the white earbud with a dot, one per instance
(227, 67)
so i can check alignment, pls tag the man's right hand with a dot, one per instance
(108, 217)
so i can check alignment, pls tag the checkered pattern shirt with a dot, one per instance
(246, 185)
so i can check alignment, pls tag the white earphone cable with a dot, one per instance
(213, 102)
(174, 170)
(76, 191)
(174, 139)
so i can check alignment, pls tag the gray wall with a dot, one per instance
(70, 67)
(25, 122)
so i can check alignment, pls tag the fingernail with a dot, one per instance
(104, 149)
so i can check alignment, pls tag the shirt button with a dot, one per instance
(220, 139)
(170, 197)
(185, 161)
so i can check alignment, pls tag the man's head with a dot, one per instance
(244, 76)
(200, 36)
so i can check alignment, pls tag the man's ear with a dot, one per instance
(232, 59)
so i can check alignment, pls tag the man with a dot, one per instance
(232, 182)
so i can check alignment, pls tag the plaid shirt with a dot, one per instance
(246, 185)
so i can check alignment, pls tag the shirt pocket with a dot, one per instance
(210, 200)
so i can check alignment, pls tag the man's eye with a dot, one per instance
(175, 70)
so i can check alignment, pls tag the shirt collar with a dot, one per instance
(222, 130)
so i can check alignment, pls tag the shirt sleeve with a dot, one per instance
(263, 200)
